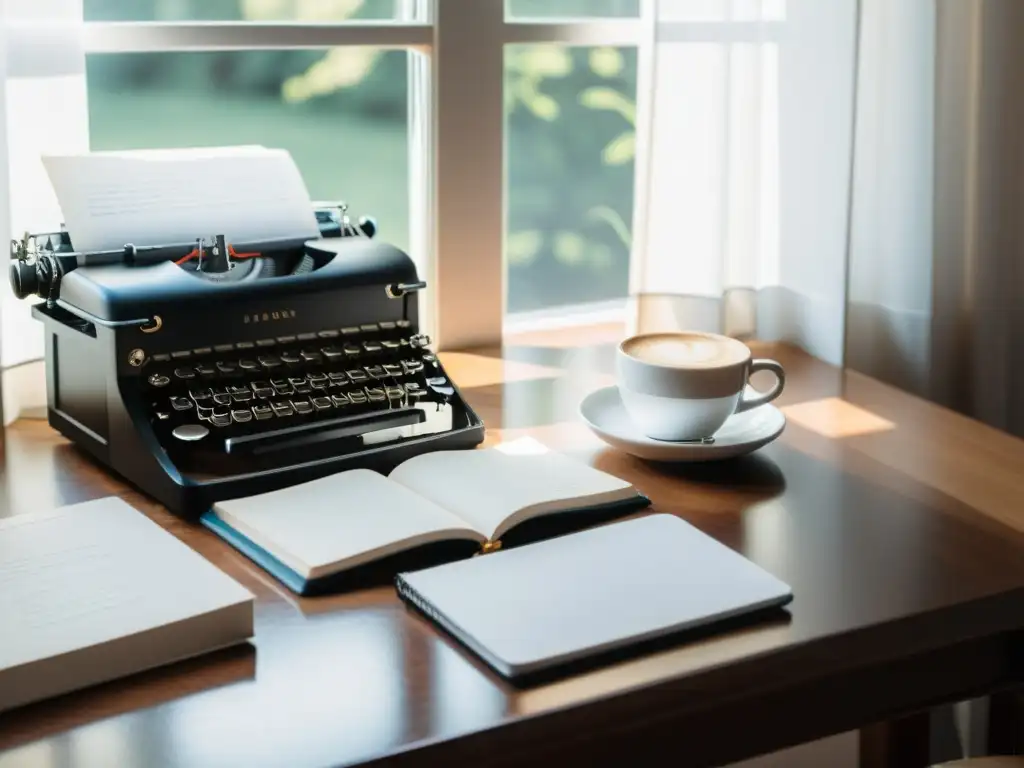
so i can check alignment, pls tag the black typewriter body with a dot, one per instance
(300, 362)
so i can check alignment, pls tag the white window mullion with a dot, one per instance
(613, 32)
(645, 77)
(421, 163)
(145, 37)
(468, 275)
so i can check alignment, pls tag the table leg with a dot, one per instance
(902, 743)
(1006, 723)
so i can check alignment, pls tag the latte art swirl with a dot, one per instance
(686, 350)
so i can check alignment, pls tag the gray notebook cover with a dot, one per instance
(539, 606)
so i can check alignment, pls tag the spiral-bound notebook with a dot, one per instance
(529, 610)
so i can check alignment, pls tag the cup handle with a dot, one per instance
(764, 397)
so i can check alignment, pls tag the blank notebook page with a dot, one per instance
(349, 516)
(527, 608)
(485, 486)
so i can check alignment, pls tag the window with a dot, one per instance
(332, 81)
(341, 112)
(517, 200)
(570, 142)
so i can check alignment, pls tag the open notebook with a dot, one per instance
(307, 534)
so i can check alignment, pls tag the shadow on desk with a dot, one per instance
(754, 473)
(141, 691)
(770, 617)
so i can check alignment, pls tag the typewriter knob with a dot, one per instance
(24, 279)
(368, 225)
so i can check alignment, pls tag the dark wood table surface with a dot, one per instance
(897, 523)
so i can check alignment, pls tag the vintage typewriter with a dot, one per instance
(212, 370)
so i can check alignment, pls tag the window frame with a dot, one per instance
(456, 123)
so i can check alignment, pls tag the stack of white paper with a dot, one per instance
(96, 591)
(167, 196)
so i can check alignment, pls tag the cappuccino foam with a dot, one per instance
(686, 350)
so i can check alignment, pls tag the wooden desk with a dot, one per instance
(897, 523)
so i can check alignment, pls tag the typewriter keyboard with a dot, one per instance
(279, 395)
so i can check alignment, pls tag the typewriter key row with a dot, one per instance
(270, 364)
(386, 335)
(228, 411)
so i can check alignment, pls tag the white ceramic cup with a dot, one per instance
(682, 386)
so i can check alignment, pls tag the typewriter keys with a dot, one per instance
(288, 388)
(283, 408)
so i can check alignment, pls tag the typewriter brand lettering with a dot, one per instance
(269, 317)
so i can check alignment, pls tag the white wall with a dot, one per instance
(43, 108)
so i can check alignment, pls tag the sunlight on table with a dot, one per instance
(835, 418)
(468, 370)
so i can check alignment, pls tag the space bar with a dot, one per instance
(302, 435)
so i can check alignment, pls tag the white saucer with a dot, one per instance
(742, 433)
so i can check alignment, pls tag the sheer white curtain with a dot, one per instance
(42, 109)
(744, 170)
(891, 239)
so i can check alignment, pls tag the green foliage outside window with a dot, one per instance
(571, 125)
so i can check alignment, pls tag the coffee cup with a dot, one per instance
(683, 386)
